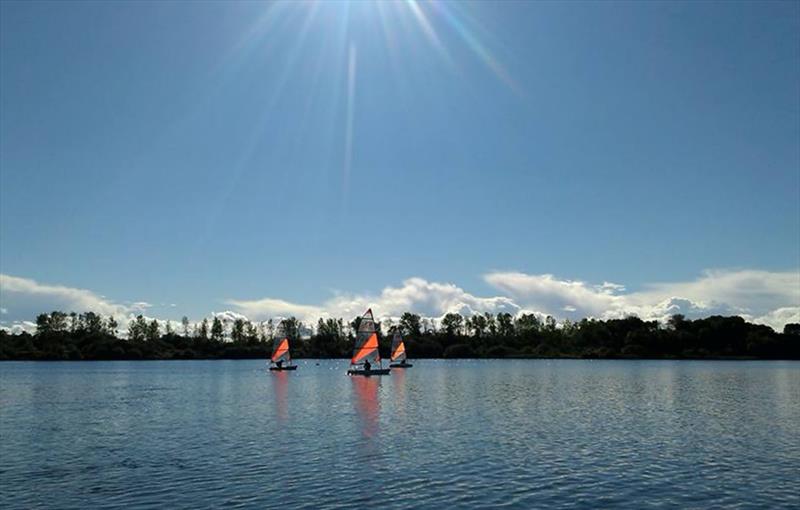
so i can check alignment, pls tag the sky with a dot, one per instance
(577, 159)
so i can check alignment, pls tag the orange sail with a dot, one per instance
(399, 352)
(281, 351)
(367, 349)
(398, 347)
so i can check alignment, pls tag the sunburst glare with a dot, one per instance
(333, 32)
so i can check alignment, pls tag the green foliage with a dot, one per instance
(216, 330)
(62, 336)
(453, 323)
(410, 324)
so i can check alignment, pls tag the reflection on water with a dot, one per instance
(368, 407)
(399, 392)
(449, 434)
(280, 380)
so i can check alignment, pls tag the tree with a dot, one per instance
(137, 329)
(354, 324)
(528, 323)
(792, 328)
(73, 322)
(58, 321)
(43, 325)
(167, 327)
(676, 322)
(491, 324)
(152, 331)
(185, 322)
(111, 326)
(203, 333)
(251, 333)
(237, 331)
(477, 324)
(329, 340)
(91, 322)
(216, 330)
(291, 328)
(505, 324)
(411, 324)
(452, 323)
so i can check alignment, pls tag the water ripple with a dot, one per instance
(463, 434)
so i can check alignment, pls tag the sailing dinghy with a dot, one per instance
(366, 353)
(281, 358)
(399, 352)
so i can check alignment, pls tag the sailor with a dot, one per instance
(279, 363)
(366, 365)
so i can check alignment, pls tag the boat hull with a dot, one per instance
(401, 365)
(367, 373)
(280, 369)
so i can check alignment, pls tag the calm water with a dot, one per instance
(523, 434)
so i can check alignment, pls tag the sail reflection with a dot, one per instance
(368, 407)
(281, 383)
(399, 389)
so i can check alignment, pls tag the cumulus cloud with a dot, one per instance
(771, 298)
(777, 319)
(430, 299)
(23, 299)
(768, 297)
(228, 316)
(551, 295)
(748, 291)
(264, 309)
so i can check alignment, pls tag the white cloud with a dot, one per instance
(17, 327)
(771, 298)
(777, 319)
(25, 298)
(550, 295)
(749, 293)
(430, 299)
(267, 308)
(228, 316)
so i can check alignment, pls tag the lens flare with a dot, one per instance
(320, 42)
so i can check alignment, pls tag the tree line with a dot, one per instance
(89, 336)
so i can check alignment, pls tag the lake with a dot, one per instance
(443, 434)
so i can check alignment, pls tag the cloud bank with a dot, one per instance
(429, 299)
(764, 297)
(771, 298)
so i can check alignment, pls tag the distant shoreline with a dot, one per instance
(508, 358)
(90, 337)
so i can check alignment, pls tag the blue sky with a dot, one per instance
(207, 154)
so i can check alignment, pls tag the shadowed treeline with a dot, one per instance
(88, 336)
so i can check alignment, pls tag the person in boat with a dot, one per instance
(366, 365)
(279, 363)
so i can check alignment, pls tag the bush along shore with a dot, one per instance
(89, 336)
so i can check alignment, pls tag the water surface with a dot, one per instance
(443, 434)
